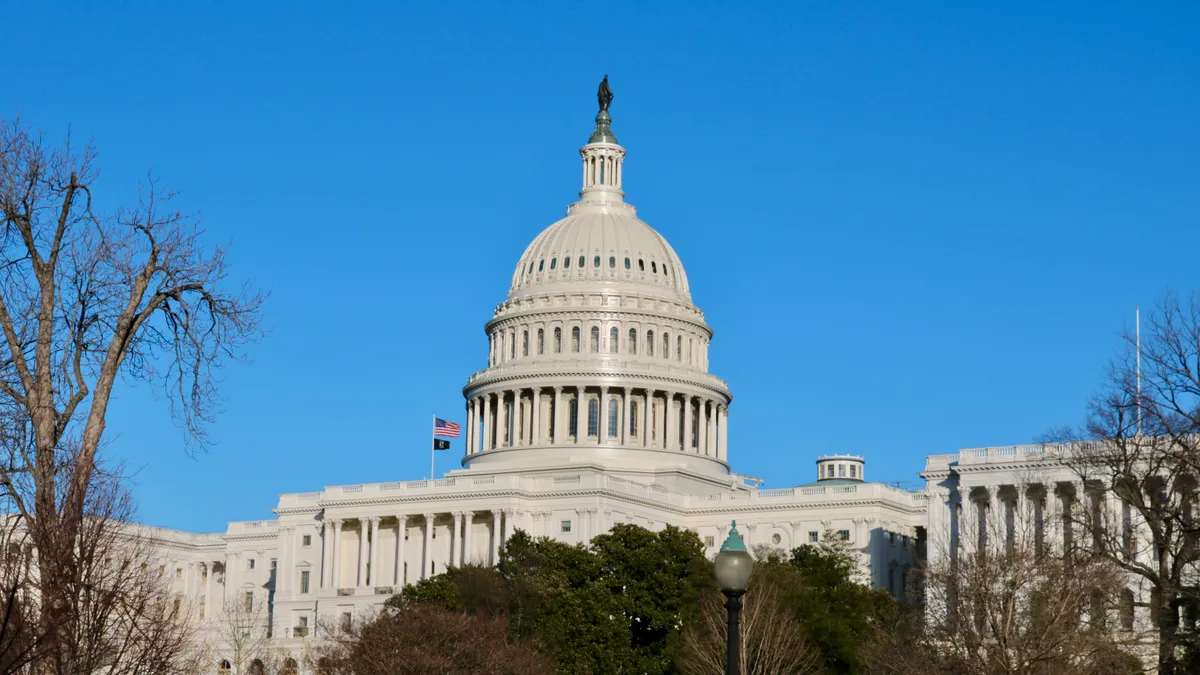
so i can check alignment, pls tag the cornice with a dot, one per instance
(543, 379)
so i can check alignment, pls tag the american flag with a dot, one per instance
(445, 429)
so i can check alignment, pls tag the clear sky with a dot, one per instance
(915, 227)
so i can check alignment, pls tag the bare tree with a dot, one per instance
(86, 296)
(1015, 604)
(1137, 458)
(772, 639)
(424, 639)
(243, 634)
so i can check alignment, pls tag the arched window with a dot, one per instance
(666, 345)
(596, 261)
(557, 340)
(627, 263)
(567, 263)
(553, 263)
(593, 417)
(541, 265)
(613, 340)
(678, 348)
(649, 343)
(641, 265)
(580, 262)
(290, 667)
(257, 667)
(541, 341)
(575, 339)
(573, 422)
(614, 418)
(224, 667)
(612, 262)
(594, 345)
(633, 418)
(524, 343)
(632, 341)
(654, 267)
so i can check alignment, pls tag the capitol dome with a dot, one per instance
(597, 354)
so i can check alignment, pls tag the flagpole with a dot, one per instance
(1137, 313)
(432, 449)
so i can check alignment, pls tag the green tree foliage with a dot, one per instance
(839, 612)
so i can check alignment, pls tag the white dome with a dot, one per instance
(605, 248)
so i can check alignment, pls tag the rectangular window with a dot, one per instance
(273, 563)
(853, 471)
(306, 540)
(304, 580)
(541, 341)
(844, 535)
(829, 470)
(841, 470)
(250, 563)
(178, 572)
(347, 621)
(892, 538)
(565, 526)
(162, 570)
(814, 536)
(204, 574)
(201, 609)
(708, 541)
(248, 601)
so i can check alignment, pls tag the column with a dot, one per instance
(580, 416)
(711, 426)
(509, 520)
(602, 429)
(750, 528)
(647, 401)
(671, 427)
(624, 426)
(687, 423)
(326, 555)
(581, 518)
(468, 438)
(487, 421)
(281, 565)
(362, 551)
(373, 574)
(211, 568)
(723, 443)
(427, 557)
(456, 556)
(556, 411)
(496, 536)
(468, 519)
(336, 567)
(535, 434)
(702, 428)
(401, 529)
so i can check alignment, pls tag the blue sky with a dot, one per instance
(915, 227)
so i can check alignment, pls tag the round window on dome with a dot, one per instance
(641, 265)
(553, 263)
(580, 262)
(567, 263)
(612, 262)
(541, 264)
(654, 267)
(627, 263)
(776, 539)
(596, 261)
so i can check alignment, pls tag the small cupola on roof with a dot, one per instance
(840, 468)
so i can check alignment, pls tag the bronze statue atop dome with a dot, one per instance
(604, 95)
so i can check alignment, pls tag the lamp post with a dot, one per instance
(733, 566)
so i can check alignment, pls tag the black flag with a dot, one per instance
(441, 444)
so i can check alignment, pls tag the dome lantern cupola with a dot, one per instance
(602, 157)
(840, 468)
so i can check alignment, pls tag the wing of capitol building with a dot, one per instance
(597, 407)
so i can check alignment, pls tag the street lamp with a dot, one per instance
(733, 566)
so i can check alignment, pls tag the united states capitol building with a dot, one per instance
(597, 406)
